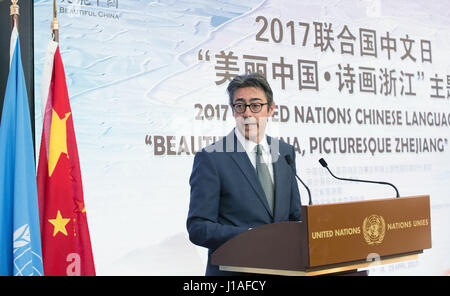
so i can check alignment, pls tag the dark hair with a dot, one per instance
(250, 80)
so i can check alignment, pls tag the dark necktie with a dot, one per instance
(264, 177)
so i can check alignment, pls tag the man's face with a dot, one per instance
(252, 124)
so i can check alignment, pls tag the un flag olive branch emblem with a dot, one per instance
(374, 229)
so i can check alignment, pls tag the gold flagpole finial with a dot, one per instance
(14, 8)
(55, 24)
(14, 13)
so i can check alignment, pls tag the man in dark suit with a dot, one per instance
(243, 180)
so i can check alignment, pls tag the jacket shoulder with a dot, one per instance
(282, 146)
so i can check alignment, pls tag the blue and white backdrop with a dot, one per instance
(363, 83)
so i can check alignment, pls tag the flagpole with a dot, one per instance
(14, 13)
(55, 24)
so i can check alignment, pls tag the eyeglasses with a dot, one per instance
(254, 107)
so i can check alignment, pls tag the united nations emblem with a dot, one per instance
(374, 229)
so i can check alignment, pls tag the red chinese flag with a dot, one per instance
(66, 244)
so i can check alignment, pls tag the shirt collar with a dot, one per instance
(250, 146)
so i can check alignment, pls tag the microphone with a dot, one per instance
(325, 165)
(291, 164)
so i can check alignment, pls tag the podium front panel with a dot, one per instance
(354, 231)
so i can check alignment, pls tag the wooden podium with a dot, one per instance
(333, 238)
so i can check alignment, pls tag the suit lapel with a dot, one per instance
(240, 157)
(280, 177)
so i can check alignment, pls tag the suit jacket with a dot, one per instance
(227, 197)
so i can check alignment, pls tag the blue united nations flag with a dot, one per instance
(20, 243)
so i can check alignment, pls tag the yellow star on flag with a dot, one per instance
(58, 140)
(59, 223)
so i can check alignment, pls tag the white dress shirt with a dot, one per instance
(250, 149)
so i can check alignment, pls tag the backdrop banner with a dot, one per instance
(364, 84)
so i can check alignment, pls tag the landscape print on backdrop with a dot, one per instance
(363, 84)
